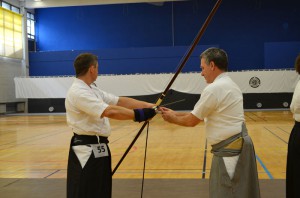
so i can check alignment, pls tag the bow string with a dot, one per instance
(180, 67)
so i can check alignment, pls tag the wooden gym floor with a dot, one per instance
(36, 147)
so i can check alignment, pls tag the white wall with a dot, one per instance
(9, 69)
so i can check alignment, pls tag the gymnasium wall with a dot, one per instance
(261, 89)
(144, 38)
(254, 33)
(9, 69)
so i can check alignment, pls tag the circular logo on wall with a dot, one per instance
(51, 109)
(254, 82)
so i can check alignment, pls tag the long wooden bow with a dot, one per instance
(182, 64)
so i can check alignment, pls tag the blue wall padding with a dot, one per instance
(281, 54)
(244, 29)
(118, 61)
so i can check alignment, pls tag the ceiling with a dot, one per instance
(32, 4)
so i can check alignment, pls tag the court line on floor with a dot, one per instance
(204, 161)
(30, 139)
(262, 118)
(11, 183)
(276, 135)
(247, 116)
(52, 174)
(264, 167)
(284, 131)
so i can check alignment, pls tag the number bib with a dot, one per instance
(100, 150)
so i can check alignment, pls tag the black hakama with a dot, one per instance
(95, 178)
(293, 163)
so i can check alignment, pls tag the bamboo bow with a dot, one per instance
(181, 65)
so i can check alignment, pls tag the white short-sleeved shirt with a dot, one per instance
(85, 105)
(295, 104)
(221, 108)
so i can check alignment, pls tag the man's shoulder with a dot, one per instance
(77, 89)
(216, 85)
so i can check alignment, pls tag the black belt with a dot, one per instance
(87, 139)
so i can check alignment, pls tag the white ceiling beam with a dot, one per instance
(32, 4)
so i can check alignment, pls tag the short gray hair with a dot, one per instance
(218, 56)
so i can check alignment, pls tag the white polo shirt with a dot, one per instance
(295, 104)
(221, 108)
(85, 105)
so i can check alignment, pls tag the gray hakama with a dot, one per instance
(244, 183)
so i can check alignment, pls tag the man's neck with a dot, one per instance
(86, 79)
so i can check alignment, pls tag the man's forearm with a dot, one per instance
(118, 113)
(131, 103)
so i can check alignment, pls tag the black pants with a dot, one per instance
(293, 164)
(95, 179)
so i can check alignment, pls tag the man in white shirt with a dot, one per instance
(221, 108)
(293, 156)
(88, 109)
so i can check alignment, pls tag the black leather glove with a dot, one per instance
(141, 115)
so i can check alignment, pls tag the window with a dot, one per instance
(30, 19)
(11, 44)
(15, 9)
(9, 7)
(30, 26)
(5, 5)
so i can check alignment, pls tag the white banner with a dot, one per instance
(279, 81)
